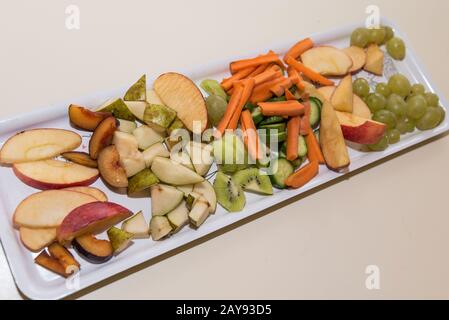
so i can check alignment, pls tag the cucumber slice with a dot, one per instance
(315, 112)
(257, 116)
(277, 99)
(249, 106)
(282, 170)
(280, 127)
(302, 147)
(272, 120)
(317, 135)
(297, 163)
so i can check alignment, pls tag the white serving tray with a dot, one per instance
(38, 283)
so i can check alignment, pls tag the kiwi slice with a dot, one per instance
(119, 109)
(141, 181)
(252, 180)
(138, 91)
(229, 194)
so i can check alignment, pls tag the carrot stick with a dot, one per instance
(292, 138)
(248, 85)
(296, 78)
(251, 138)
(279, 88)
(266, 76)
(260, 96)
(259, 70)
(289, 95)
(232, 106)
(290, 108)
(299, 48)
(309, 73)
(305, 128)
(236, 66)
(227, 84)
(303, 175)
(314, 150)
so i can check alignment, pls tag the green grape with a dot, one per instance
(376, 101)
(416, 107)
(429, 120)
(442, 113)
(400, 85)
(394, 136)
(380, 146)
(361, 87)
(216, 107)
(397, 105)
(389, 33)
(396, 48)
(386, 117)
(360, 37)
(405, 125)
(417, 89)
(432, 99)
(376, 35)
(383, 89)
(213, 87)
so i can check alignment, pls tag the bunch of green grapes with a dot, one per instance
(402, 107)
(362, 37)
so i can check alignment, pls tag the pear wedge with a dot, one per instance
(119, 239)
(199, 212)
(137, 226)
(160, 227)
(158, 117)
(201, 156)
(118, 108)
(173, 173)
(137, 108)
(137, 92)
(206, 190)
(164, 199)
(179, 216)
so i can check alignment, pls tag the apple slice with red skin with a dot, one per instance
(360, 130)
(102, 136)
(54, 174)
(91, 218)
(86, 119)
(359, 107)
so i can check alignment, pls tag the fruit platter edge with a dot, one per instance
(39, 284)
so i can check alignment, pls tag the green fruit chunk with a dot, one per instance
(400, 85)
(159, 117)
(376, 102)
(397, 105)
(119, 239)
(212, 87)
(230, 153)
(394, 136)
(229, 194)
(216, 107)
(396, 48)
(432, 99)
(160, 227)
(376, 35)
(417, 88)
(389, 33)
(416, 107)
(361, 87)
(360, 37)
(380, 146)
(383, 89)
(386, 117)
(119, 109)
(282, 169)
(141, 181)
(430, 120)
(405, 125)
(252, 180)
(176, 124)
(138, 91)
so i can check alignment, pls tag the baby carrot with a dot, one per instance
(259, 70)
(314, 152)
(236, 66)
(266, 76)
(296, 78)
(251, 138)
(305, 128)
(299, 48)
(290, 108)
(303, 175)
(289, 95)
(279, 88)
(232, 106)
(227, 84)
(292, 138)
(309, 73)
(248, 85)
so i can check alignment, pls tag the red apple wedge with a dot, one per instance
(359, 108)
(360, 130)
(343, 97)
(47, 209)
(91, 218)
(38, 144)
(54, 174)
(182, 95)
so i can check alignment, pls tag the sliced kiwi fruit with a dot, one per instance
(158, 117)
(119, 109)
(252, 180)
(141, 181)
(138, 91)
(229, 194)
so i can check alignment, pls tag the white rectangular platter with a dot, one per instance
(38, 283)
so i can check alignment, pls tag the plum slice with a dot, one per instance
(92, 249)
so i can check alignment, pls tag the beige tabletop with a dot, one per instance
(393, 216)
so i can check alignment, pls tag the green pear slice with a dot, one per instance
(156, 150)
(119, 239)
(206, 190)
(126, 126)
(126, 144)
(153, 98)
(176, 125)
(179, 216)
(160, 227)
(199, 212)
(183, 158)
(137, 108)
(159, 117)
(137, 226)
(174, 173)
(164, 199)
(118, 108)
(186, 189)
(141, 181)
(147, 136)
(201, 157)
(137, 92)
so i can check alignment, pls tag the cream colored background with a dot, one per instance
(394, 215)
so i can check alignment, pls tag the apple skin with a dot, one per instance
(44, 185)
(360, 130)
(94, 217)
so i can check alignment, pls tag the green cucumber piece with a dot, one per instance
(280, 127)
(213, 87)
(257, 116)
(302, 147)
(249, 106)
(282, 170)
(315, 112)
(272, 120)
(277, 99)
